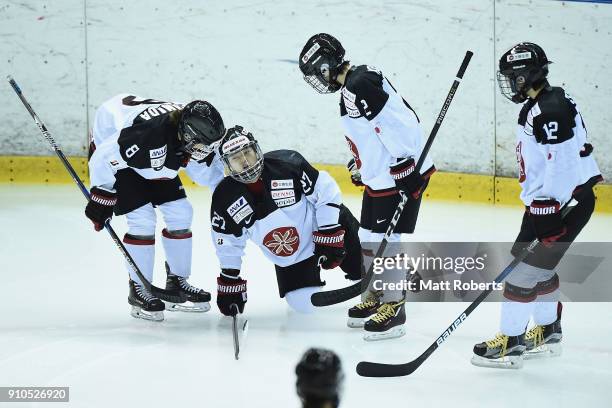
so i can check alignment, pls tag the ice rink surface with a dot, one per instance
(65, 322)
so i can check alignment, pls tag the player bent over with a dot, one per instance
(138, 147)
(292, 211)
(555, 160)
(386, 140)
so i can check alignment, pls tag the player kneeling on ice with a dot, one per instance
(555, 161)
(292, 211)
(138, 147)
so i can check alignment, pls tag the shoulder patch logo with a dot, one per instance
(158, 157)
(236, 206)
(282, 241)
(349, 103)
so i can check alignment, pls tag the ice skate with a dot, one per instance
(144, 304)
(192, 299)
(387, 323)
(544, 340)
(364, 310)
(501, 352)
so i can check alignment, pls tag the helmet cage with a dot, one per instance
(251, 173)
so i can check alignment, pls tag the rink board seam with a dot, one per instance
(443, 186)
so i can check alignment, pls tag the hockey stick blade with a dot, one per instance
(235, 331)
(334, 296)
(370, 369)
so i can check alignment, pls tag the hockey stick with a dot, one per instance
(235, 330)
(368, 369)
(77, 180)
(331, 297)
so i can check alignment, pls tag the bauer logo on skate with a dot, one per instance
(282, 241)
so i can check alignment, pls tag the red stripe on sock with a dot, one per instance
(168, 235)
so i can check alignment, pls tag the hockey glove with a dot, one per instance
(406, 178)
(545, 218)
(100, 206)
(329, 245)
(355, 174)
(231, 290)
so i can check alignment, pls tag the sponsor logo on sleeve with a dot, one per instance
(278, 184)
(242, 213)
(349, 103)
(158, 157)
(236, 206)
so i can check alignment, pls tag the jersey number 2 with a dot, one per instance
(551, 128)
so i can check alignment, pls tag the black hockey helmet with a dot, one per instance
(200, 129)
(241, 155)
(521, 68)
(320, 61)
(319, 377)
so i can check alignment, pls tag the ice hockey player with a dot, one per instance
(292, 211)
(555, 160)
(319, 379)
(386, 140)
(138, 146)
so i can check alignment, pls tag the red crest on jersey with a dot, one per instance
(354, 151)
(282, 241)
(521, 163)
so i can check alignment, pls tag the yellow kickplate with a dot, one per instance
(443, 186)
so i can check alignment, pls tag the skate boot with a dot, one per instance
(387, 323)
(545, 340)
(192, 299)
(362, 311)
(501, 352)
(144, 304)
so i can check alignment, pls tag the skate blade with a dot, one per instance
(394, 333)
(355, 323)
(544, 351)
(188, 307)
(142, 314)
(507, 362)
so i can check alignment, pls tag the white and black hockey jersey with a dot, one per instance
(379, 126)
(137, 133)
(278, 213)
(552, 151)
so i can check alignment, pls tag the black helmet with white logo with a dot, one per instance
(521, 68)
(320, 61)
(200, 129)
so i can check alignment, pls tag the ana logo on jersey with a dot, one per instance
(239, 210)
(158, 157)
(282, 241)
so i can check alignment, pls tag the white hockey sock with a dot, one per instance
(515, 317)
(143, 253)
(178, 249)
(545, 311)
